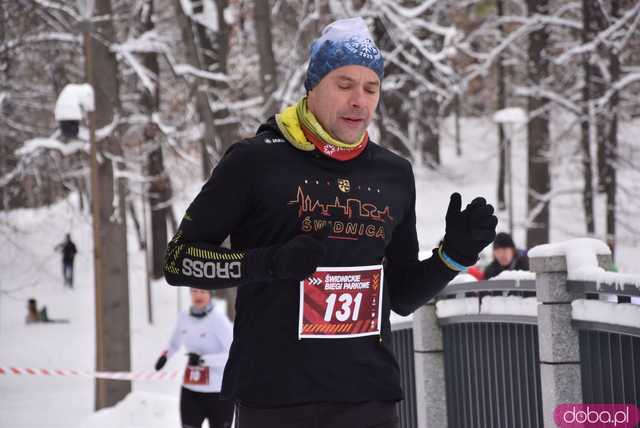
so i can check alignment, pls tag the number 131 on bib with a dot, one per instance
(341, 302)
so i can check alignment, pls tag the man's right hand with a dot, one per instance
(299, 258)
(194, 359)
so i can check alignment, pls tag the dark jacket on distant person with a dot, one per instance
(520, 262)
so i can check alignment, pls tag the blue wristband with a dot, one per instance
(452, 264)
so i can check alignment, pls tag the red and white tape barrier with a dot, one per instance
(148, 375)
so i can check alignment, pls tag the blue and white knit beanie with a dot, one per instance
(343, 42)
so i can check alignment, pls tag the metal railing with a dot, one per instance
(610, 365)
(491, 362)
(609, 353)
(497, 361)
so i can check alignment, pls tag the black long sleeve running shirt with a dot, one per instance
(264, 192)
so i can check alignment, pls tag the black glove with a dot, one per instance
(296, 259)
(468, 231)
(161, 362)
(299, 258)
(194, 359)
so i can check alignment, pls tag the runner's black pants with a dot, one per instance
(67, 272)
(195, 407)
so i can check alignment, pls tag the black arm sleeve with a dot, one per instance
(412, 282)
(194, 257)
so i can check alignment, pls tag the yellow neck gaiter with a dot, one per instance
(291, 120)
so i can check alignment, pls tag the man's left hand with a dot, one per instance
(468, 231)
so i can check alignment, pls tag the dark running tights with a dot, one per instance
(195, 407)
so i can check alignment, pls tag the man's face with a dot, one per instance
(344, 101)
(504, 256)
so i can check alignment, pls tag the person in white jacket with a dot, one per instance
(206, 335)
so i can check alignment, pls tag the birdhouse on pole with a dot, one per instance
(73, 102)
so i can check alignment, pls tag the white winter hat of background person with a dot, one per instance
(343, 42)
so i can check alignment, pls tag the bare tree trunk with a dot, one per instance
(229, 131)
(160, 184)
(358, 4)
(202, 100)
(85, 186)
(136, 224)
(595, 21)
(59, 77)
(214, 52)
(587, 171)
(159, 190)
(4, 149)
(268, 70)
(324, 15)
(393, 118)
(4, 195)
(112, 297)
(612, 143)
(429, 123)
(172, 221)
(390, 112)
(502, 103)
(4, 56)
(538, 133)
(430, 129)
(229, 294)
(79, 182)
(458, 113)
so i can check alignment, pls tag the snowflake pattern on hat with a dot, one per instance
(363, 47)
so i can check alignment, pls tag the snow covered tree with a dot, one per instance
(34, 44)
(417, 42)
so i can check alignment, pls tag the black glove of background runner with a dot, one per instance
(194, 359)
(161, 362)
(468, 231)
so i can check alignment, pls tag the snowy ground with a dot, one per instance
(30, 268)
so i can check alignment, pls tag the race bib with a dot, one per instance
(341, 302)
(196, 375)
